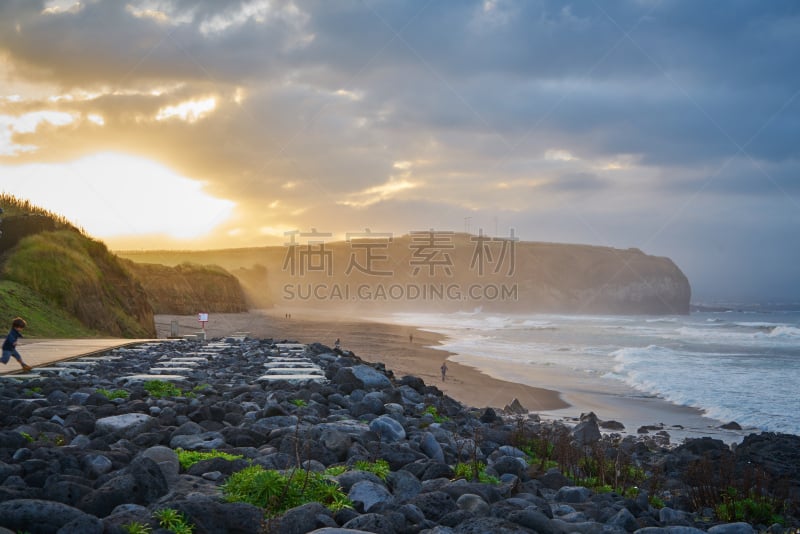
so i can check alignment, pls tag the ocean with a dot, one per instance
(741, 366)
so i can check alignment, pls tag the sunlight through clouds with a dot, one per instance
(189, 111)
(27, 123)
(375, 194)
(117, 195)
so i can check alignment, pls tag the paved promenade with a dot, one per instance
(39, 352)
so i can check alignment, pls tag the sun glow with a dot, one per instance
(189, 111)
(117, 195)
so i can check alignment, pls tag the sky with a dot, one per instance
(672, 126)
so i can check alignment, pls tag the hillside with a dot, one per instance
(69, 285)
(62, 281)
(82, 278)
(187, 289)
(448, 272)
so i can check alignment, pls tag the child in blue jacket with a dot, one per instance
(10, 344)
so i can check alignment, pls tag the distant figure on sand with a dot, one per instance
(10, 344)
(336, 345)
(444, 370)
(410, 338)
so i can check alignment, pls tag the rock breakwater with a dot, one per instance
(96, 446)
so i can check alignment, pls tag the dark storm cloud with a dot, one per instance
(678, 81)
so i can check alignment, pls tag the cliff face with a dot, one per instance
(189, 289)
(600, 280)
(447, 272)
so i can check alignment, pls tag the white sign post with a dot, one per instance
(203, 318)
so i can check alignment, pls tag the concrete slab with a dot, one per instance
(292, 378)
(146, 377)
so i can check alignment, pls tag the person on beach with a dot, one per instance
(410, 338)
(337, 343)
(10, 344)
(444, 370)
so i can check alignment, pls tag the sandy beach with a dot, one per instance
(408, 351)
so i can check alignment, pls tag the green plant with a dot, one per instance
(633, 492)
(159, 389)
(277, 492)
(173, 520)
(379, 467)
(475, 471)
(751, 508)
(135, 527)
(113, 394)
(188, 458)
(656, 502)
(604, 488)
(335, 470)
(32, 391)
(27, 437)
(432, 411)
(300, 403)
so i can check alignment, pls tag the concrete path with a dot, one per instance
(38, 352)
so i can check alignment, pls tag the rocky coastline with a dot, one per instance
(91, 446)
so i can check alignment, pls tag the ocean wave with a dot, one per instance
(785, 331)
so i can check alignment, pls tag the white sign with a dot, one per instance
(202, 317)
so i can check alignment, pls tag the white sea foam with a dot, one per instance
(732, 368)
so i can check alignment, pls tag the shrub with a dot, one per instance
(159, 389)
(432, 411)
(113, 394)
(277, 492)
(136, 528)
(475, 471)
(173, 520)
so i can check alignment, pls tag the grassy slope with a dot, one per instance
(63, 282)
(80, 276)
(44, 319)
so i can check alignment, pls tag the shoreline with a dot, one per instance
(566, 398)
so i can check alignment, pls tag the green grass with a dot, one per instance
(379, 467)
(160, 390)
(188, 458)
(113, 394)
(43, 317)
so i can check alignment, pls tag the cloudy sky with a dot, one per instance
(672, 126)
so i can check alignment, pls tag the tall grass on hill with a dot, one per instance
(53, 264)
(13, 206)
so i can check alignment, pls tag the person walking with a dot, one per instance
(10, 344)
(444, 370)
